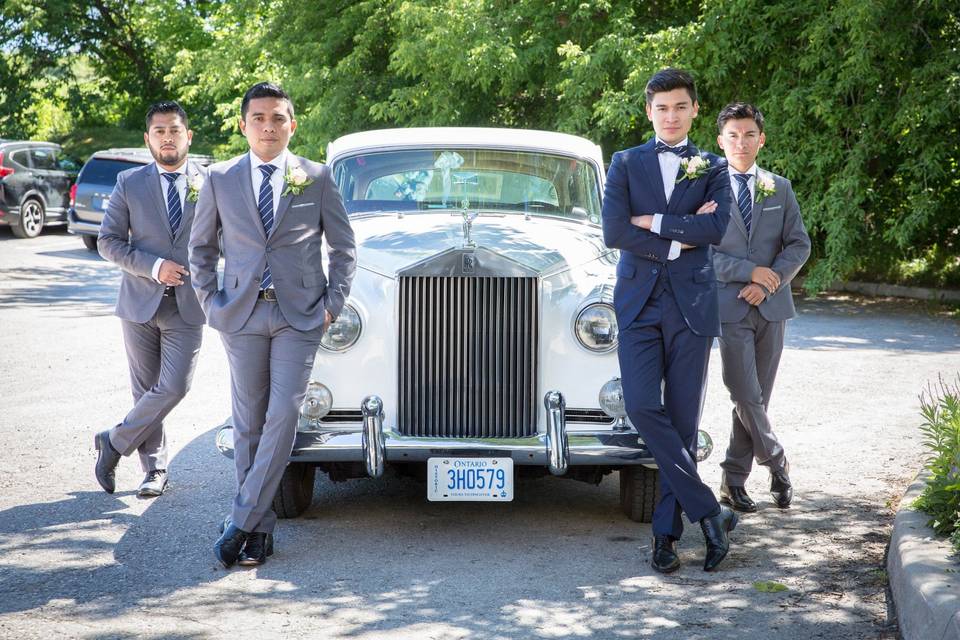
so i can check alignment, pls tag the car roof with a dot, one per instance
(447, 137)
(39, 143)
(139, 154)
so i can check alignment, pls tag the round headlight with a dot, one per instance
(704, 445)
(317, 403)
(596, 327)
(611, 399)
(344, 332)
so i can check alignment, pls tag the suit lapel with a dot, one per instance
(292, 161)
(242, 175)
(681, 187)
(188, 206)
(152, 178)
(651, 167)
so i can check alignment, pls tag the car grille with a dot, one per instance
(468, 357)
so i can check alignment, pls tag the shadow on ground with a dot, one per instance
(375, 559)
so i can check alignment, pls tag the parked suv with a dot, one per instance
(35, 182)
(89, 196)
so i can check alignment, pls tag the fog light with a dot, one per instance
(317, 403)
(704, 446)
(611, 399)
(224, 440)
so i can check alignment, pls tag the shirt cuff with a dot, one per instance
(674, 252)
(155, 272)
(655, 225)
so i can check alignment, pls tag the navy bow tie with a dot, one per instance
(680, 150)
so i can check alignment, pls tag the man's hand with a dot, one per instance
(171, 273)
(644, 222)
(707, 207)
(327, 320)
(765, 277)
(753, 293)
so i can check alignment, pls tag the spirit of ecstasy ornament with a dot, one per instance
(468, 218)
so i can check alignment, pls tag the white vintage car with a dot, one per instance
(479, 340)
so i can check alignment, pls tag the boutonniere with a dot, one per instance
(297, 180)
(693, 168)
(194, 184)
(765, 188)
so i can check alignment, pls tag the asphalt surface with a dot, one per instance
(374, 559)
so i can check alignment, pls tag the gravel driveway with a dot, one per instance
(374, 559)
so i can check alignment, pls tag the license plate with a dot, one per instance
(470, 479)
(100, 203)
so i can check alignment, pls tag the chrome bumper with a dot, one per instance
(556, 449)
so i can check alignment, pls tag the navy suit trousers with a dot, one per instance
(656, 347)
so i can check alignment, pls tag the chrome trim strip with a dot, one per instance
(372, 440)
(558, 448)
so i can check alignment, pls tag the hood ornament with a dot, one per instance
(468, 218)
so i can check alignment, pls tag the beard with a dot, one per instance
(168, 157)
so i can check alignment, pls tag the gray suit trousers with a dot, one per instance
(750, 353)
(161, 354)
(270, 364)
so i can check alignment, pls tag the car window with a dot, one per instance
(104, 172)
(484, 179)
(66, 163)
(20, 157)
(44, 159)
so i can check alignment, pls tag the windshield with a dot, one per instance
(487, 180)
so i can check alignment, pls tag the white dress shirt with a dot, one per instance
(669, 167)
(276, 178)
(752, 182)
(181, 183)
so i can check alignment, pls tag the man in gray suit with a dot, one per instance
(762, 250)
(267, 213)
(145, 232)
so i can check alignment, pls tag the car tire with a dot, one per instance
(296, 490)
(90, 242)
(639, 492)
(32, 217)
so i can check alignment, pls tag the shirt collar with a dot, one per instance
(280, 162)
(182, 169)
(684, 142)
(752, 171)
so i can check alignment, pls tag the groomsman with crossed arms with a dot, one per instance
(764, 247)
(145, 232)
(267, 212)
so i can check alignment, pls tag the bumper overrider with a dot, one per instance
(557, 449)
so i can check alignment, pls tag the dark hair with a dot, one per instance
(739, 111)
(264, 90)
(668, 80)
(167, 106)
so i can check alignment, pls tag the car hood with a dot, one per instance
(389, 243)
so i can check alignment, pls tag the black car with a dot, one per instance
(89, 196)
(35, 180)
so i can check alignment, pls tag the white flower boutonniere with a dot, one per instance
(297, 180)
(194, 184)
(765, 187)
(693, 168)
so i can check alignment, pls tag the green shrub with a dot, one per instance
(940, 407)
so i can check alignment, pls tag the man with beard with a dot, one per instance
(145, 232)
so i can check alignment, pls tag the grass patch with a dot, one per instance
(940, 407)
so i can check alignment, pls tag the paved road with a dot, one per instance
(374, 559)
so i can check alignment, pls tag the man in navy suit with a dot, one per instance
(664, 204)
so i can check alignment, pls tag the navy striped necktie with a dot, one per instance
(174, 208)
(265, 206)
(744, 201)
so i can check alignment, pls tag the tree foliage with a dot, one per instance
(861, 98)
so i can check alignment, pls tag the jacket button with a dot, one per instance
(654, 272)
(269, 249)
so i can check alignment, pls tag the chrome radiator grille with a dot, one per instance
(468, 356)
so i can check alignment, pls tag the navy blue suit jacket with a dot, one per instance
(634, 187)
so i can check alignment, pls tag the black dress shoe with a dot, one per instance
(715, 529)
(107, 460)
(781, 489)
(259, 546)
(665, 559)
(737, 498)
(230, 545)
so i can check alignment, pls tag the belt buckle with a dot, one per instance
(269, 294)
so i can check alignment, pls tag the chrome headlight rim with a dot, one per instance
(588, 306)
(347, 308)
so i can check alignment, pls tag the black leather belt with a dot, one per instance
(170, 292)
(269, 295)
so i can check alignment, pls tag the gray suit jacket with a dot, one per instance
(228, 222)
(135, 232)
(777, 240)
